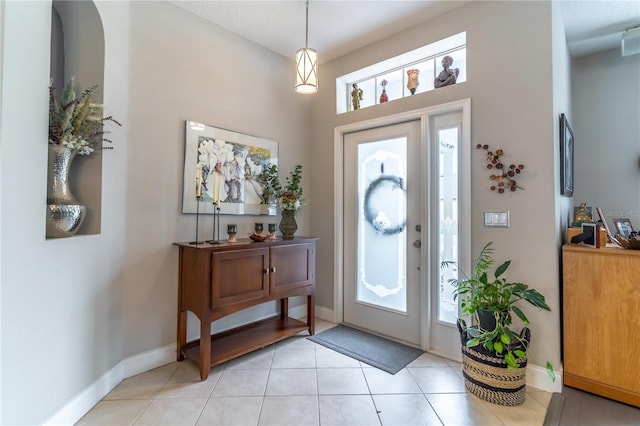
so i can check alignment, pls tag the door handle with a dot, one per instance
(417, 243)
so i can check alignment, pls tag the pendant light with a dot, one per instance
(306, 66)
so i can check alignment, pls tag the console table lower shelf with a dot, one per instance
(247, 338)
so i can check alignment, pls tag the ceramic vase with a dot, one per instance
(64, 213)
(288, 225)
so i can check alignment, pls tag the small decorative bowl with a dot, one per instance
(258, 237)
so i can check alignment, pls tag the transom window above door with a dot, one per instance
(404, 75)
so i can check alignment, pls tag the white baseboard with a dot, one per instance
(538, 378)
(80, 404)
(85, 400)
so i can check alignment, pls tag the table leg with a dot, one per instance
(182, 333)
(205, 349)
(311, 314)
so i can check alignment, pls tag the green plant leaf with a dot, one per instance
(520, 353)
(550, 372)
(473, 342)
(502, 268)
(510, 360)
(520, 314)
(504, 338)
(498, 347)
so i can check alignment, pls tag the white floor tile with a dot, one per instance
(296, 381)
(289, 411)
(173, 412)
(231, 411)
(405, 410)
(437, 379)
(381, 382)
(352, 410)
(241, 383)
(341, 381)
(294, 358)
(121, 412)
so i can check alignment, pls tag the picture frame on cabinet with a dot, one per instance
(222, 169)
(624, 228)
(566, 157)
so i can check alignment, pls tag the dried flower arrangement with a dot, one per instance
(76, 122)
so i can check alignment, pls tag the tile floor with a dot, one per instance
(297, 382)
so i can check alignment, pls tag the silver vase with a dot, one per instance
(64, 214)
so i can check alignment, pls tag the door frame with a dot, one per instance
(423, 115)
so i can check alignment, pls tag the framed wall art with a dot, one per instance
(221, 168)
(566, 157)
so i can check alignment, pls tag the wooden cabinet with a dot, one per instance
(601, 319)
(218, 280)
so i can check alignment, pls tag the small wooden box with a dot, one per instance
(573, 231)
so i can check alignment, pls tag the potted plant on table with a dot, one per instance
(288, 196)
(494, 353)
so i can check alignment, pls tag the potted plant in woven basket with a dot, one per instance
(494, 353)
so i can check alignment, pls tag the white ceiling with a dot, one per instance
(340, 27)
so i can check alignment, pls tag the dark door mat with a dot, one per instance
(376, 351)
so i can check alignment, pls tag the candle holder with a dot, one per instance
(216, 221)
(196, 242)
(232, 230)
(258, 227)
(272, 232)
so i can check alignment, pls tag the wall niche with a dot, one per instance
(77, 50)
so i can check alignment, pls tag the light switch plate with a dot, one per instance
(497, 219)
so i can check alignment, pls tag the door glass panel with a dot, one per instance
(382, 216)
(448, 221)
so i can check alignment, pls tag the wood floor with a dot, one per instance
(576, 408)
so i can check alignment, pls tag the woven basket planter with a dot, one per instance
(487, 376)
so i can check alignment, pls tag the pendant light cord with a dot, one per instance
(306, 42)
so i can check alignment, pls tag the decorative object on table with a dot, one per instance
(232, 230)
(494, 355)
(412, 82)
(75, 127)
(383, 96)
(258, 227)
(272, 232)
(624, 228)
(503, 178)
(231, 163)
(582, 214)
(448, 75)
(566, 157)
(258, 237)
(288, 196)
(290, 200)
(356, 96)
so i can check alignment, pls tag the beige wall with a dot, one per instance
(509, 60)
(75, 311)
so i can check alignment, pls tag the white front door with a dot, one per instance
(382, 231)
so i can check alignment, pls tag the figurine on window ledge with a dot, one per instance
(356, 96)
(448, 75)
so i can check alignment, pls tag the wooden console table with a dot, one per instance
(217, 280)
(601, 319)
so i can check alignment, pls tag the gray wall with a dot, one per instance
(510, 63)
(606, 127)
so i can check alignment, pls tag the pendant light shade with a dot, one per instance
(306, 66)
